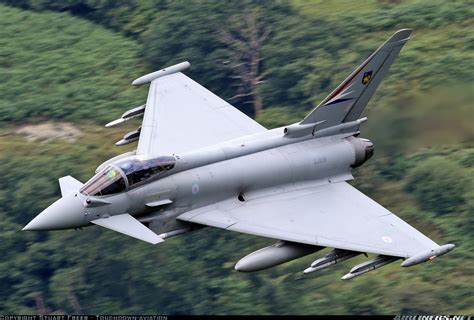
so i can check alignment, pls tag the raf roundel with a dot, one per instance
(195, 189)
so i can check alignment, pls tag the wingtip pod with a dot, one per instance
(160, 73)
(427, 255)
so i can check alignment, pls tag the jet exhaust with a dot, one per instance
(363, 149)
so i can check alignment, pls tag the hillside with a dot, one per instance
(57, 66)
(72, 71)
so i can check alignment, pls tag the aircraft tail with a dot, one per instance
(349, 99)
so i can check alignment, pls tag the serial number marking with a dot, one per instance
(320, 159)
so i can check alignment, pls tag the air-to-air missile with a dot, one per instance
(370, 265)
(333, 257)
(129, 137)
(127, 115)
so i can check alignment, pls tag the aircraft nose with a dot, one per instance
(65, 213)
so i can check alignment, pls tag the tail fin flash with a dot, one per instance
(347, 102)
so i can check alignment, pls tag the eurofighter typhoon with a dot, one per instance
(201, 162)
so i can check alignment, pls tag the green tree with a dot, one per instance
(439, 185)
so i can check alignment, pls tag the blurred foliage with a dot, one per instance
(298, 57)
(57, 65)
(439, 184)
(60, 61)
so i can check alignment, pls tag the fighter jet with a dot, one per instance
(201, 162)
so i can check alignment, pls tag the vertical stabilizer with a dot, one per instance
(349, 99)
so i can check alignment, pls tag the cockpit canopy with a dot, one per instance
(126, 173)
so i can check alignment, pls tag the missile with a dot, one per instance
(127, 115)
(129, 137)
(333, 257)
(370, 265)
(427, 255)
(273, 255)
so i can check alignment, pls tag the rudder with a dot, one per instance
(347, 102)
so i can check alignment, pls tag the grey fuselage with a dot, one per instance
(242, 169)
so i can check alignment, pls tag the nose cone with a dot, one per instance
(65, 213)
